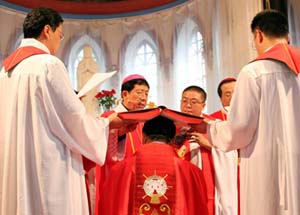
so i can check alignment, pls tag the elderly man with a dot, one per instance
(134, 93)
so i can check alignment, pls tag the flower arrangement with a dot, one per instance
(106, 99)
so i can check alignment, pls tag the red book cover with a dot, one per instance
(147, 114)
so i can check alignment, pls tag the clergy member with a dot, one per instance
(134, 93)
(155, 180)
(225, 163)
(225, 91)
(193, 101)
(44, 127)
(264, 120)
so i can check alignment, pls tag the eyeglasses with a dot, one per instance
(192, 102)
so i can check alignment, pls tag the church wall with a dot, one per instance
(225, 26)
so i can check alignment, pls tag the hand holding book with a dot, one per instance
(147, 114)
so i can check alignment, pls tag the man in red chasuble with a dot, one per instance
(134, 93)
(155, 180)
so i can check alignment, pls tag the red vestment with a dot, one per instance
(207, 169)
(20, 54)
(133, 141)
(283, 53)
(154, 181)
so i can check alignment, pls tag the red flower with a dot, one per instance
(106, 98)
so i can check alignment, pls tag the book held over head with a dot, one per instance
(147, 114)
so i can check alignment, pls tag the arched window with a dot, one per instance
(141, 58)
(76, 55)
(196, 62)
(189, 60)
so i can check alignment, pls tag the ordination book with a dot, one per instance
(147, 114)
(95, 81)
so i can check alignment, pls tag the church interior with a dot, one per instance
(173, 43)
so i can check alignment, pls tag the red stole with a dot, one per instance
(20, 54)
(134, 140)
(219, 115)
(284, 53)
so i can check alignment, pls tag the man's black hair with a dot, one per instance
(37, 18)
(196, 89)
(225, 81)
(159, 129)
(272, 23)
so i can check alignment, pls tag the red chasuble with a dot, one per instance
(284, 53)
(154, 181)
(20, 54)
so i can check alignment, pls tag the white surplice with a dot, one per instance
(44, 130)
(264, 122)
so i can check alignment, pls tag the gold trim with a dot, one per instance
(144, 207)
(165, 208)
(181, 152)
(131, 142)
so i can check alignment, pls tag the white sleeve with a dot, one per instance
(67, 117)
(239, 129)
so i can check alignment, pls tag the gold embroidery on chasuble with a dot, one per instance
(155, 188)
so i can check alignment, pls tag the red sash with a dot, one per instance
(284, 53)
(20, 54)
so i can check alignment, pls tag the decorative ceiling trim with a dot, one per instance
(95, 10)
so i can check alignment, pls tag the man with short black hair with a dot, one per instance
(193, 101)
(155, 180)
(44, 127)
(225, 163)
(225, 92)
(264, 120)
